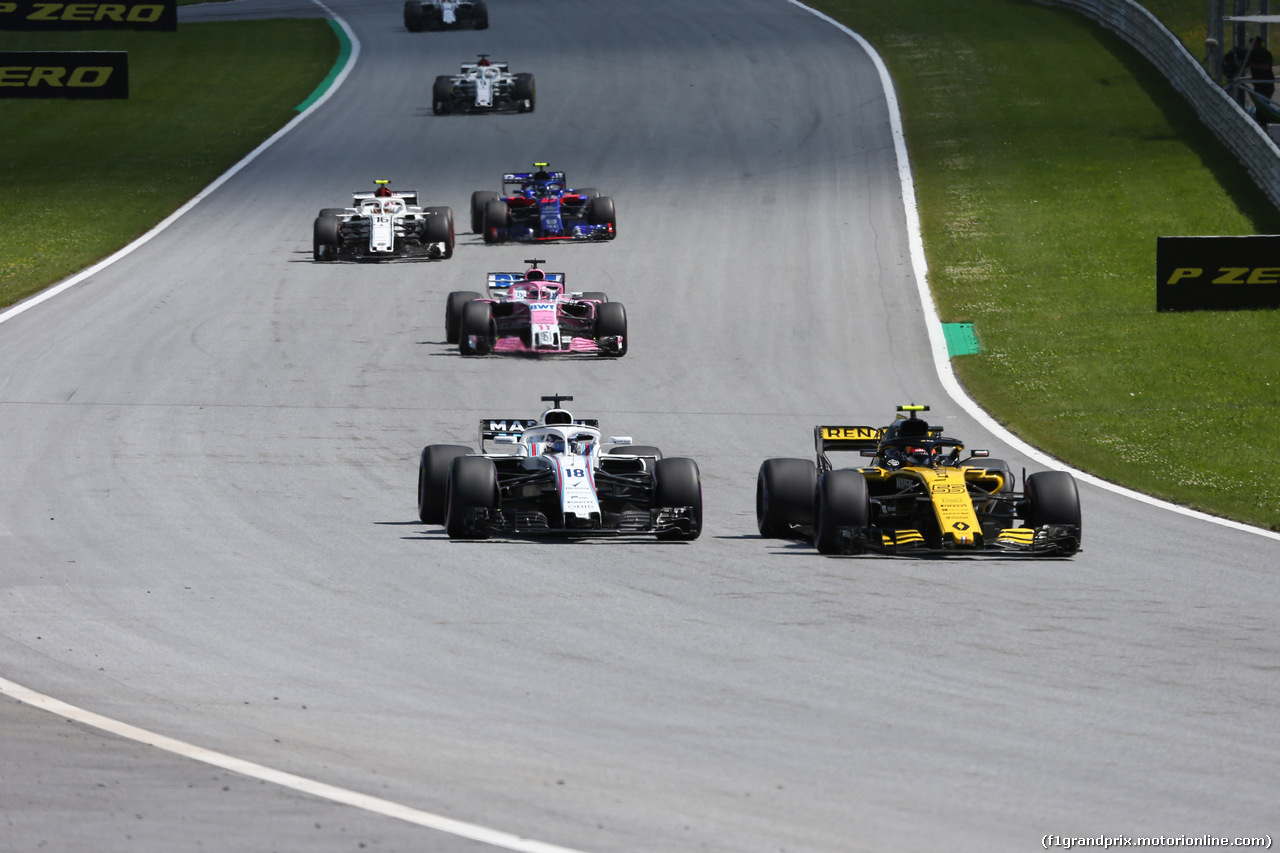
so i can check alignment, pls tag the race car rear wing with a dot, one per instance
(525, 177)
(504, 280)
(492, 428)
(846, 438)
(407, 196)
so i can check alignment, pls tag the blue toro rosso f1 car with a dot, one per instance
(538, 206)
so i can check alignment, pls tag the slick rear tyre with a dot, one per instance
(332, 211)
(843, 501)
(785, 491)
(597, 295)
(475, 337)
(1052, 498)
(324, 238)
(413, 16)
(601, 211)
(433, 479)
(442, 96)
(611, 321)
(482, 16)
(473, 484)
(588, 192)
(525, 93)
(677, 483)
(453, 306)
(479, 199)
(497, 219)
(439, 228)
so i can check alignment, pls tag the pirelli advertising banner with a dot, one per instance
(121, 15)
(1217, 273)
(64, 74)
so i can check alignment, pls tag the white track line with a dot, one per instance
(462, 829)
(938, 343)
(67, 284)
(459, 828)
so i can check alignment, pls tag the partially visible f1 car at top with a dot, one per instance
(383, 223)
(483, 86)
(422, 15)
(918, 496)
(539, 205)
(531, 312)
(553, 476)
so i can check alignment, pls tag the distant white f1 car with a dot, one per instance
(422, 15)
(383, 223)
(483, 86)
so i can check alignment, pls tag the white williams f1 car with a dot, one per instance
(555, 478)
(422, 15)
(383, 224)
(483, 86)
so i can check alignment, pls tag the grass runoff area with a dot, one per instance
(107, 171)
(1048, 157)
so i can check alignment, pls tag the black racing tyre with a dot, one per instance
(477, 326)
(785, 490)
(324, 238)
(481, 15)
(413, 16)
(597, 295)
(525, 92)
(442, 96)
(843, 500)
(497, 219)
(588, 192)
(473, 484)
(611, 321)
(677, 483)
(453, 313)
(479, 199)
(1052, 498)
(433, 479)
(332, 211)
(439, 228)
(601, 211)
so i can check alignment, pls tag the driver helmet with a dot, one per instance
(554, 444)
(921, 456)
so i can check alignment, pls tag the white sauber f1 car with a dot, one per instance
(384, 223)
(555, 478)
(422, 15)
(483, 86)
(531, 312)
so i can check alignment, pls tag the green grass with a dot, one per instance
(1048, 156)
(196, 106)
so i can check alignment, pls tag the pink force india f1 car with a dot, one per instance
(918, 496)
(531, 312)
(552, 475)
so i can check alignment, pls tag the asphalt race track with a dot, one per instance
(208, 525)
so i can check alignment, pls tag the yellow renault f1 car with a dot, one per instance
(919, 496)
